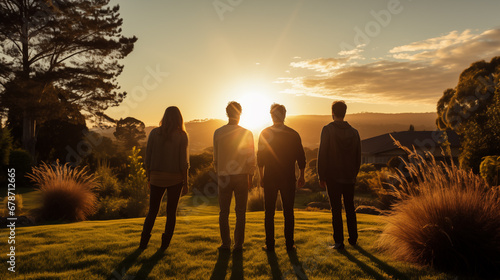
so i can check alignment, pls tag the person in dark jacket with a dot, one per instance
(279, 148)
(339, 159)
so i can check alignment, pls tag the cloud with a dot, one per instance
(452, 38)
(354, 53)
(418, 72)
(320, 64)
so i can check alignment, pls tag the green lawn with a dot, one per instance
(108, 250)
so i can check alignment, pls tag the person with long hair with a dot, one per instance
(167, 164)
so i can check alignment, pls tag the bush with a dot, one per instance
(367, 167)
(200, 161)
(447, 218)
(312, 181)
(376, 183)
(108, 182)
(367, 182)
(490, 170)
(311, 176)
(18, 204)
(111, 208)
(256, 200)
(317, 201)
(66, 193)
(319, 197)
(204, 182)
(136, 187)
(5, 145)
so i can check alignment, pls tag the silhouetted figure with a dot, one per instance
(279, 148)
(339, 158)
(167, 167)
(234, 162)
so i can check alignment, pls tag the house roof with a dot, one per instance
(422, 139)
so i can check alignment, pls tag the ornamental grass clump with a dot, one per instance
(446, 217)
(66, 193)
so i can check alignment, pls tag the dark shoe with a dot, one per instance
(165, 242)
(337, 246)
(268, 249)
(352, 242)
(144, 241)
(291, 248)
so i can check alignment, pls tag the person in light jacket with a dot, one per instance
(167, 164)
(234, 162)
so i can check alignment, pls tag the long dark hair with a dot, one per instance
(172, 121)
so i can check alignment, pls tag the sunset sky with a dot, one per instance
(379, 56)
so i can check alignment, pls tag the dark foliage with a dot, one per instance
(58, 58)
(129, 132)
(472, 109)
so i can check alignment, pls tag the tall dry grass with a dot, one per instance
(447, 217)
(66, 193)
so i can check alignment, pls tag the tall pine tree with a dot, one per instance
(59, 59)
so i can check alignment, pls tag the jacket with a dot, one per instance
(167, 155)
(339, 155)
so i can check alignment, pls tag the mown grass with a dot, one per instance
(108, 250)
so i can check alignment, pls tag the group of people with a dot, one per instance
(235, 162)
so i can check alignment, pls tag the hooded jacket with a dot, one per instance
(339, 155)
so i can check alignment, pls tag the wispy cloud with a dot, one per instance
(418, 72)
(453, 38)
(321, 64)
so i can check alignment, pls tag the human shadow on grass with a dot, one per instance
(149, 264)
(275, 267)
(223, 262)
(121, 269)
(297, 265)
(382, 265)
(221, 265)
(237, 268)
(368, 270)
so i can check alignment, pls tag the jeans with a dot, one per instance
(155, 197)
(237, 184)
(287, 193)
(335, 192)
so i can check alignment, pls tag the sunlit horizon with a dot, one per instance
(377, 57)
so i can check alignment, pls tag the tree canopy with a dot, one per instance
(129, 132)
(59, 59)
(472, 109)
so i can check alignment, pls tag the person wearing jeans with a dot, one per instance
(167, 167)
(339, 159)
(280, 147)
(234, 162)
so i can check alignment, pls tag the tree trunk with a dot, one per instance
(29, 124)
(29, 136)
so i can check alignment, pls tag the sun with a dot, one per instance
(255, 111)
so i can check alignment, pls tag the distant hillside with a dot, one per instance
(368, 124)
(309, 127)
(201, 134)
